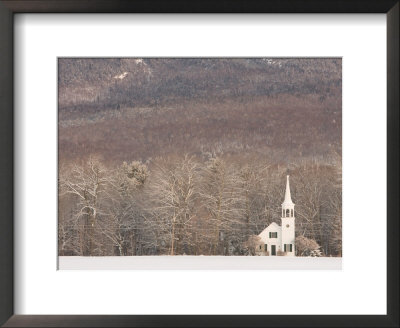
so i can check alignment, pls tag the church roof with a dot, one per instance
(273, 225)
(288, 198)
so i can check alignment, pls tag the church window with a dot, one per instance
(292, 213)
(287, 248)
(287, 213)
(273, 235)
(265, 247)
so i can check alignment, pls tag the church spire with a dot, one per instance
(288, 198)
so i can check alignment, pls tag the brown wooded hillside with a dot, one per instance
(129, 109)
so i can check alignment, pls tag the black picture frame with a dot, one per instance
(10, 7)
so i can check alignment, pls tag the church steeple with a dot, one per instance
(288, 198)
(288, 223)
(287, 205)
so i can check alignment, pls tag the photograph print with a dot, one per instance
(200, 157)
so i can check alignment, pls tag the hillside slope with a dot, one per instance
(125, 109)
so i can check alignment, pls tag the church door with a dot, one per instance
(273, 249)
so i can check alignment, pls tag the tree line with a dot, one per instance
(184, 205)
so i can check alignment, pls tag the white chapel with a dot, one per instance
(280, 238)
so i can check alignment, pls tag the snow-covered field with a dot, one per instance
(198, 263)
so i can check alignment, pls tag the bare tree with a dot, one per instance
(222, 199)
(307, 247)
(173, 194)
(123, 221)
(253, 245)
(86, 184)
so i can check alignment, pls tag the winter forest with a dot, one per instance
(189, 156)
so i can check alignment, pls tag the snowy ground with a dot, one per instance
(198, 263)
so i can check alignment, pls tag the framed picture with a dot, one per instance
(213, 164)
(201, 182)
